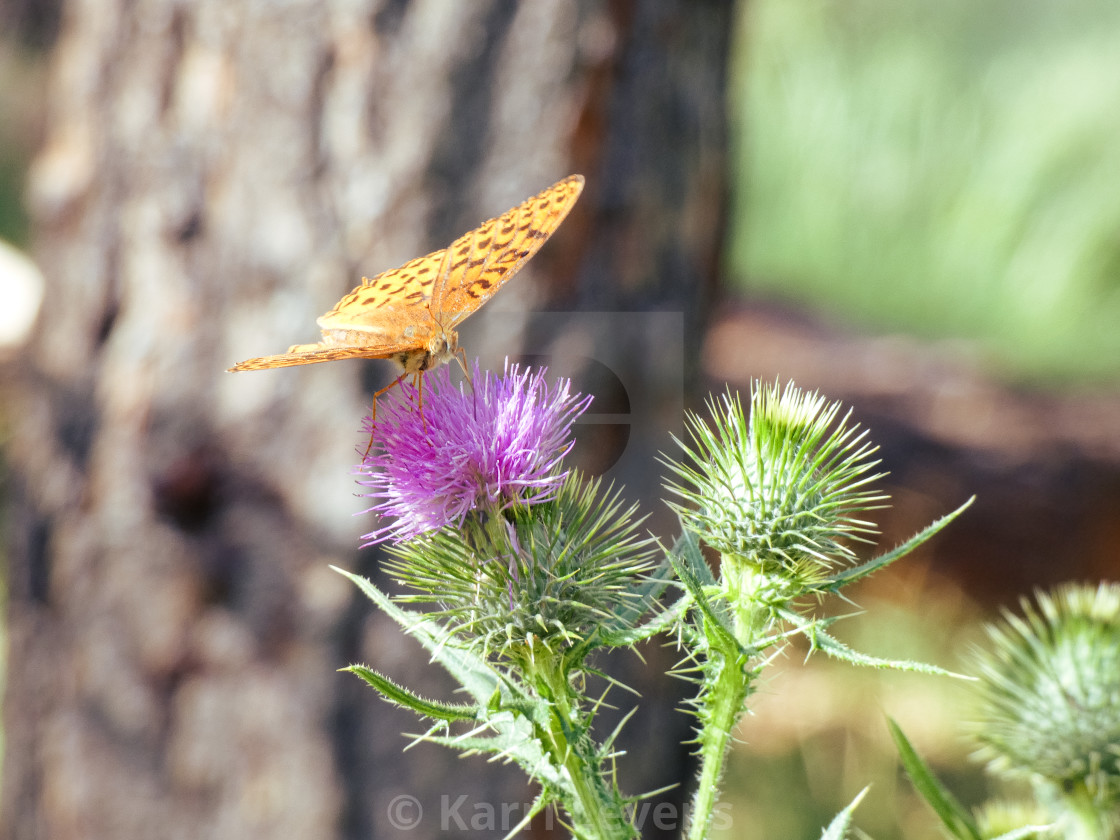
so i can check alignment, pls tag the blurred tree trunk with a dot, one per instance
(215, 176)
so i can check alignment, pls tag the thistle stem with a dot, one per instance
(723, 711)
(596, 813)
(728, 678)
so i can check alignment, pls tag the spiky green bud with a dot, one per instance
(782, 491)
(530, 581)
(1050, 694)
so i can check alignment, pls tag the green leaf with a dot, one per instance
(506, 715)
(539, 804)
(687, 550)
(836, 582)
(471, 671)
(953, 815)
(510, 737)
(664, 621)
(838, 828)
(825, 643)
(620, 630)
(401, 696)
(697, 578)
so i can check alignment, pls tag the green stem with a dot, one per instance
(728, 678)
(596, 813)
(722, 710)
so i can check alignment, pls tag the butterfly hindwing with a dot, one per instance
(309, 354)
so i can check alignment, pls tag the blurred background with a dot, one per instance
(913, 208)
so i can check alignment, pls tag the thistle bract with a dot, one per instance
(493, 444)
(550, 575)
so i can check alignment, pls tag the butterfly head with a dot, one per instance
(441, 348)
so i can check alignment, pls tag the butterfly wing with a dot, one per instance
(382, 303)
(385, 316)
(310, 354)
(478, 263)
(398, 311)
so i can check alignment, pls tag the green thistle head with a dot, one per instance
(532, 580)
(1050, 694)
(779, 492)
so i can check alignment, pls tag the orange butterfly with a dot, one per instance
(409, 314)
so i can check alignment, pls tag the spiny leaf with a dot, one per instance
(825, 643)
(842, 579)
(471, 671)
(400, 695)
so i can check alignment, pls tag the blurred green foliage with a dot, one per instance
(22, 79)
(947, 169)
(13, 217)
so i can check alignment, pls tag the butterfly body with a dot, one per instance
(441, 349)
(409, 314)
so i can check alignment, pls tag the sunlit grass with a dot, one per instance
(948, 169)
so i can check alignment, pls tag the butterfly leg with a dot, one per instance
(461, 358)
(418, 383)
(373, 410)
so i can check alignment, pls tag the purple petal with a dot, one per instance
(497, 443)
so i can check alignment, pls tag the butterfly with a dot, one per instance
(409, 314)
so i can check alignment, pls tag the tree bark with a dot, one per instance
(216, 175)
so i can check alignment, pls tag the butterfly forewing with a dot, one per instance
(485, 258)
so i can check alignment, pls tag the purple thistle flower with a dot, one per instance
(486, 446)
